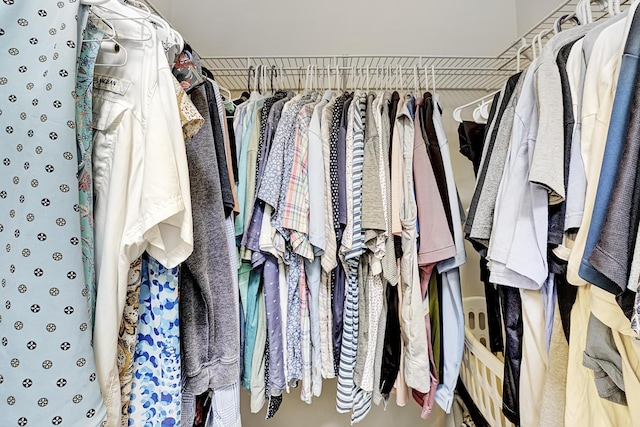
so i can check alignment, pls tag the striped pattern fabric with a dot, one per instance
(350, 398)
(225, 407)
(361, 399)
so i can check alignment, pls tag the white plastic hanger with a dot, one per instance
(227, 92)
(538, 39)
(109, 42)
(484, 109)
(354, 79)
(523, 46)
(580, 12)
(457, 113)
(368, 79)
(114, 7)
(433, 79)
(616, 7)
(589, 10)
(426, 78)
(481, 113)
(477, 117)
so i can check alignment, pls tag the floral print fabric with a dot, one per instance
(191, 119)
(127, 337)
(84, 139)
(155, 391)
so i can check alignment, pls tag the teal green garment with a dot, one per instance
(251, 324)
(84, 140)
(243, 284)
(247, 126)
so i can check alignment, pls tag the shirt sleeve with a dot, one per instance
(164, 214)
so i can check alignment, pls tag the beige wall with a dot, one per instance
(530, 12)
(336, 27)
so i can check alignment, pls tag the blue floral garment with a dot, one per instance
(155, 392)
(84, 139)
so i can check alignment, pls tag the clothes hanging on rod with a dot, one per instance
(549, 194)
(282, 227)
(327, 270)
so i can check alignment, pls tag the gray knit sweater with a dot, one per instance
(209, 321)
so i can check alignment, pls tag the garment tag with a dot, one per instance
(111, 84)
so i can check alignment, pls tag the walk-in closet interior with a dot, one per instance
(319, 214)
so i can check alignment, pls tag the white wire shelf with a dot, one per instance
(378, 71)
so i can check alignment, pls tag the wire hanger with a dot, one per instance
(281, 78)
(256, 79)
(249, 71)
(416, 80)
(272, 70)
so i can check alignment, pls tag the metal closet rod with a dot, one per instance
(361, 69)
(343, 56)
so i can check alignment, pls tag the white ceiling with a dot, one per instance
(338, 27)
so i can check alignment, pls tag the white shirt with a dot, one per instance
(315, 168)
(142, 196)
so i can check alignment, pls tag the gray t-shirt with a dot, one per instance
(480, 230)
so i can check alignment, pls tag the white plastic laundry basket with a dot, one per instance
(481, 371)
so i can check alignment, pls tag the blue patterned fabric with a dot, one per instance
(47, 366)
(156, 392)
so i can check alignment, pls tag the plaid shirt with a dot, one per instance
(295, 206)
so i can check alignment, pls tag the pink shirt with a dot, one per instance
(436, 242)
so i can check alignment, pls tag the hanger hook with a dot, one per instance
(354, 80)
(433, 78)
(249, 71)
(273, 71)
